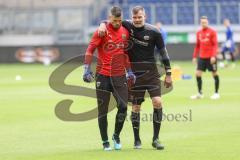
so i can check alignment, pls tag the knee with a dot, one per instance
(122, 110)
(157, 103)
(122, 106)
(198, 74)
(122, 114)
(136, 108)
(102, 111)
(214, 74)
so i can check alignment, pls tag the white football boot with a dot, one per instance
(197, 96)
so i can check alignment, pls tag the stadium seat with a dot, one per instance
(163, 10)
(230, 12)
(185, 14)
(210, 11)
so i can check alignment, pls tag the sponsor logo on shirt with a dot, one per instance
(110, 36)
(138, 41)
(203, 38)
(146, 38)
(98, 84)
(124, 36)
(131, 32)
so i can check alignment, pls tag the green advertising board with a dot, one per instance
(177, 37)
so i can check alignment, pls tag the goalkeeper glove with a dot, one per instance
(88, 75)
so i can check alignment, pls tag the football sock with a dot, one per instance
(216, 80)
(157, 118)
(223, 55)
(119, 121)
(232, 57)
(135, 117)
(199, 84)
(103, 125)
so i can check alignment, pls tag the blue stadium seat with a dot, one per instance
(210, 11)
(159, 1)
(148, 13)
(220, 1)
(185, 10)
(185, 15)
(164, 14)
(126, 12)
(230, 12)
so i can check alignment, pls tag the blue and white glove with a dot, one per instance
(228, 44)
(88, 75)
(131, 76)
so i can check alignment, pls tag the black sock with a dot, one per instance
(199, 84)
(232, 57)
(157, 118)
(223, 55)
(103, 125)
(216, 80)
(119, 121)
(135, 117)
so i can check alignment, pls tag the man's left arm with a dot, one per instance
(131, 78)
(165, 58)
(215, 47)
(214, 44)
(130, 75)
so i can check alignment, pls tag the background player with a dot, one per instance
(162, 31)
(205, 50)
(228, 45)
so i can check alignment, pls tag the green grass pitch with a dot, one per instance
(29, 129)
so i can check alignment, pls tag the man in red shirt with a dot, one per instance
(112, 64)
(205, 50)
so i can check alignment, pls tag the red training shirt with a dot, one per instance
(112, 56)
(206, 43)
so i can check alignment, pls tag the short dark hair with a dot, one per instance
(116, 11)
(204, 17)
(136, 9)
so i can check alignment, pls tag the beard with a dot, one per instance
(138, 25)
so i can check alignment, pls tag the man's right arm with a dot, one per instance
(196, 49)
(102, 29)
(127, 24)
(88, 75)
(93, 44)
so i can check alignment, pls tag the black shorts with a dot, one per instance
(143, 83)
(104, 86)
(205, 63)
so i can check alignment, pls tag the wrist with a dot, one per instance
(168, 72)
(86, 67)
(129, 70)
